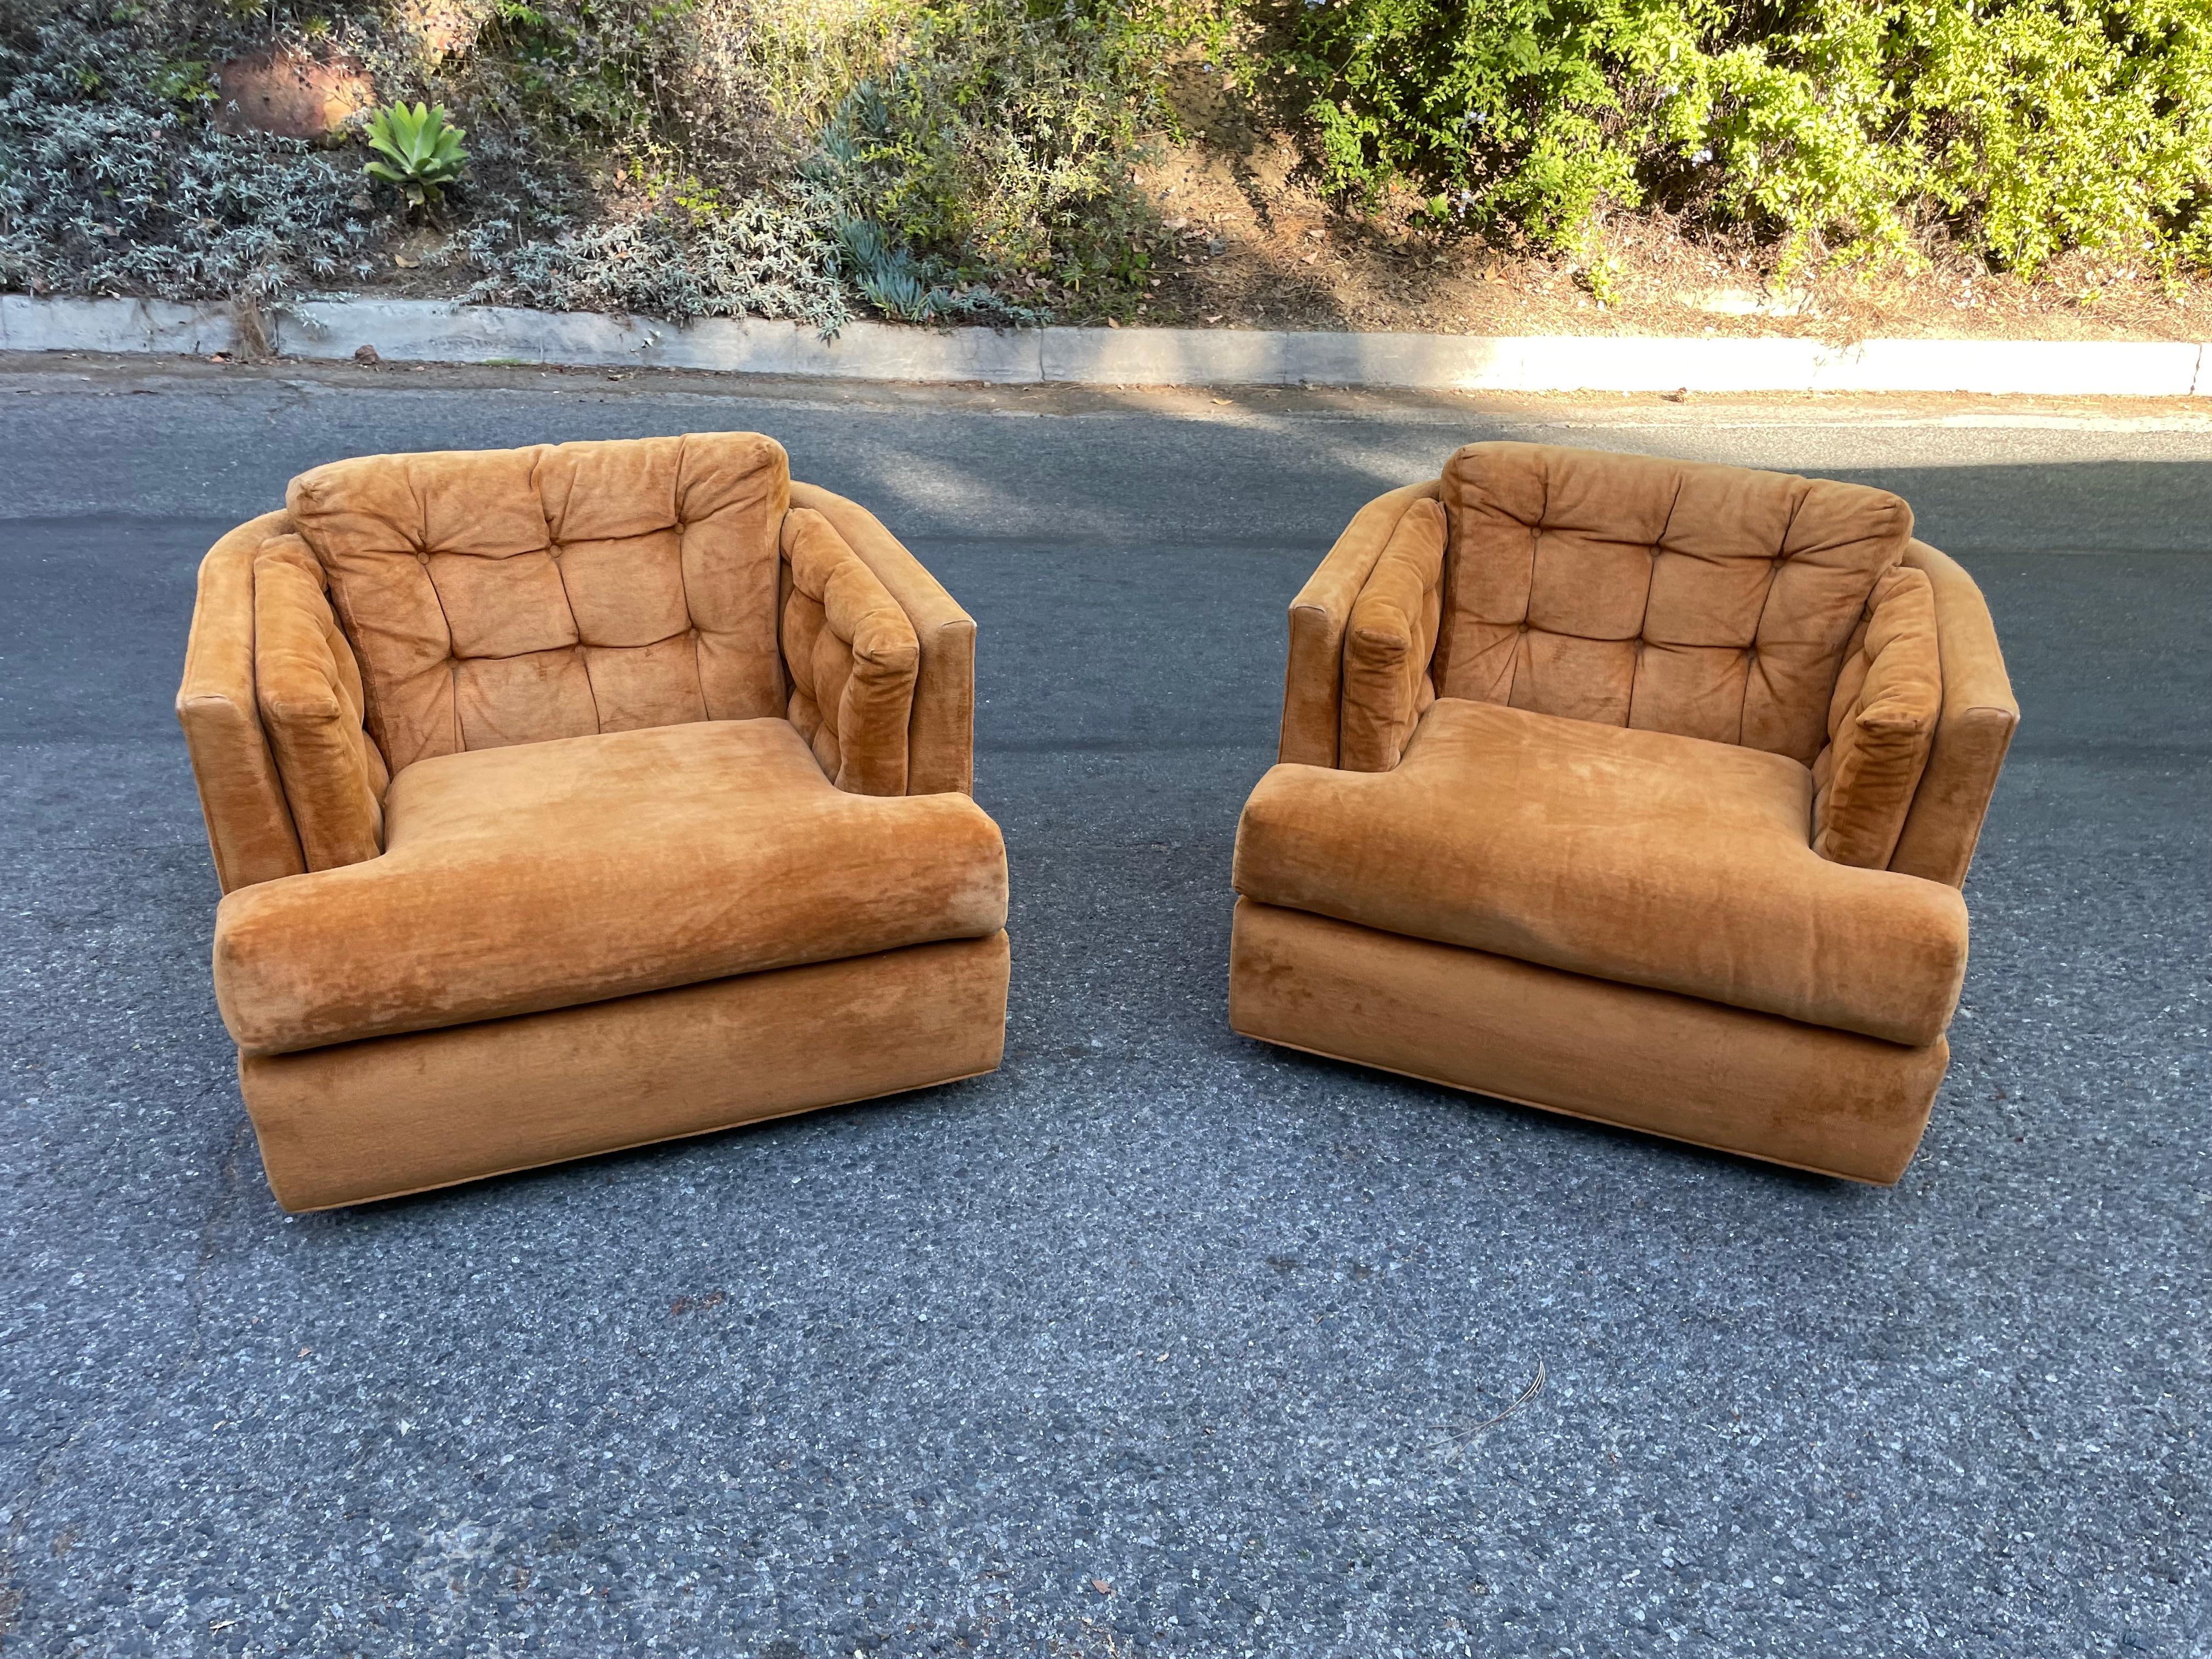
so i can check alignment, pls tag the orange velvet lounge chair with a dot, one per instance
(1634, 789)
(571, 797)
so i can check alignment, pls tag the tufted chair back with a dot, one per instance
(511, 596)
(1706, 601)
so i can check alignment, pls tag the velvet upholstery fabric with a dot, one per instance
(249, 824)
(503, 597)
(1972, 733)
(1313, 683)
(939, 750)
(1740, 1082)
(1588, 880)
(1387, 642)
(852, 657)
(308, 689)
(363, 1121)
(546, 875)
(616, 897)
(1882, 723)
(1708, 601)
(1639, 857)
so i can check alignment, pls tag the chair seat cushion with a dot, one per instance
(548, 875)
(1630, 855)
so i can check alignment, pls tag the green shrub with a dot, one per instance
(112, 181)
(975, 159)
(729, 92)
(1843, 129)
(979, 140)
(757, 260)
(1000, 141)
(912, 287)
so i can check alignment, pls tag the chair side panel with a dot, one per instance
(249, 826)
(941, 729)
(1972, 733)
(1313, 673)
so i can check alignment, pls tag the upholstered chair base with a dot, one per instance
(390, 1115)
(1757, 1085)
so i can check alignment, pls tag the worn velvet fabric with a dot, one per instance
(1972, 733)
(1685, 715)
(852, 657)
(1709, 601)
(1313, 681)
(395, 1115)
(500, 597)
(1881, 724)
(601, 824)
(249, 824)
(308, 689)
(545, 875)
(1635, 856)
(1742, 1082)
(1388, 641)
(940, 754)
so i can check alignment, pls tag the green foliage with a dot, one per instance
(937, 160)
(1001, 141)
(647, 92)
(1601, 277)
(112, 180)
(979, 143)
(757, 259)
(422, 152)
(1841, 127)
(185, 83)
(911, 289)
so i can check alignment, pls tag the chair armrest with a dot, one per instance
(852, 656)
(249, 825)
(1313, 681)
(308, 686)
(1390, 642)
(941, 730)
(1972, 732)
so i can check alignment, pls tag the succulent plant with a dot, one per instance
(423, 153)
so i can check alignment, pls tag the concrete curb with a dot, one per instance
(426, 330)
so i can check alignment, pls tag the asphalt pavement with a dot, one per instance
(1156, 1340)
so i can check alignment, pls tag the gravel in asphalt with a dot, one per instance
(1156, 1340)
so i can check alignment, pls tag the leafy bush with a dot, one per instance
(729, 93)
(112, 180)
(1001, 140)
(989, 138)
(976, 141)
(939, 160)
(2025, 127)
(759, 259)
(912, 289)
